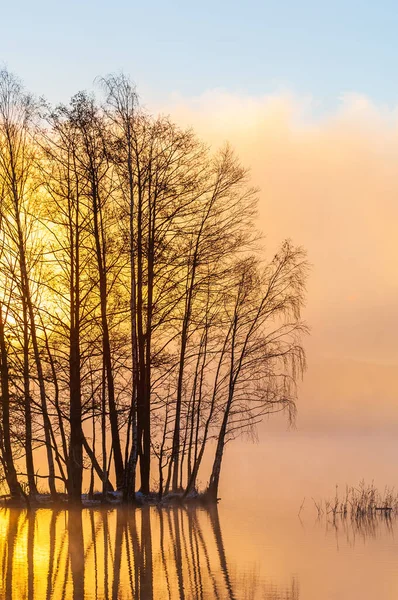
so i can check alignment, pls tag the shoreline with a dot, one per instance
(112, 500)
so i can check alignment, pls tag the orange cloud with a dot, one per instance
(331, 184)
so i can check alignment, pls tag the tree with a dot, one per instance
(16, 165)
(140, 318)
(262, 351)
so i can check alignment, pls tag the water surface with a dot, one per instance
(253, 546)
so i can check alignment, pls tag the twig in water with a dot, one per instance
(301, 507)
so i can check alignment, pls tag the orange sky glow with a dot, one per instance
(330, 184)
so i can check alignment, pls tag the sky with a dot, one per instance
(253, 47)
(307, 93)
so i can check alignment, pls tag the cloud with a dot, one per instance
(329, 181)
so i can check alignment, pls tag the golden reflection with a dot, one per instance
(142, 554)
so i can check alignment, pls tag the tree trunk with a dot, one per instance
(75, 454)
(212, 490)
(9, 467)
(75, 463)
(143, 394)
(27, 409)
(106, 347)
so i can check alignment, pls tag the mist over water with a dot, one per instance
(253, 546)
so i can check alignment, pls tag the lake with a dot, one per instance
(252, 546)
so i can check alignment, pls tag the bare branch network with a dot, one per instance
(139, 317)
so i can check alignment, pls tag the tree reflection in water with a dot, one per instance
(142, 554)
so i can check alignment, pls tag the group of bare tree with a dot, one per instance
(139, 319)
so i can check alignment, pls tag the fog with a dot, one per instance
(329, 182)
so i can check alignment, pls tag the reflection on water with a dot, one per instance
(360, 529)
(145, 554)
(240, 551)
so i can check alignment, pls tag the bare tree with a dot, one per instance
(263, 353)
(140, 318)
(16, 162)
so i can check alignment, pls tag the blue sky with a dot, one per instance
(319, 48)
